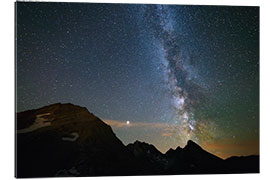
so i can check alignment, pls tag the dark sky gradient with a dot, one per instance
(174, 72)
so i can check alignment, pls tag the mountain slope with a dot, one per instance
(67, 140)
(192, 159)
(149, 156)
(243, 164)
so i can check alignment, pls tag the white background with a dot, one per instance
(7, 67)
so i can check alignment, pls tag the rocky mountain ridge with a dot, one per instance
(68, 140)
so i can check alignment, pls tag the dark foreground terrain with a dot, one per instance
(67, 140)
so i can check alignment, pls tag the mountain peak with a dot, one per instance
(143, 145)
(192, 145)
(139, 147)
(178, 148)
(54, 114)
(170, 151)
(77, 143)
(139, 142)
(65, 131)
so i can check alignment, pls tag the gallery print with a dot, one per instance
(134, 89)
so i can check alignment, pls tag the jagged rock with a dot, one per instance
(67, 140)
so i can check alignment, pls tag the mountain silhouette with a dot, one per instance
(73, 142)
(192, 159)
(68, 140)
(149, 157)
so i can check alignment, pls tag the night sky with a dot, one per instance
(161, 74)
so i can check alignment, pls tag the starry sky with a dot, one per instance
(174, 72)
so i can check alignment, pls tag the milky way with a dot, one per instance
(173, 72)
(178, 74)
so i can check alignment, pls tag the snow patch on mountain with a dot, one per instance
(40, 122)
(74, 137)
